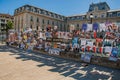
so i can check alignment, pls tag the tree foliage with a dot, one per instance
(9, 25)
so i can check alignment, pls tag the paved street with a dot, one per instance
(20, 65)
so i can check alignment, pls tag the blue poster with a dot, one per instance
(75, 40)
(95, 26)
(47, 34)
(84, 27)
(114, 52)
(86, 57)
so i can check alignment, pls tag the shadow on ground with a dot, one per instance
(66, 67)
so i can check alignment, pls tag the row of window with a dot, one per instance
(6, 17)
(102, 16)
(114, 14)
(76, 18)
(43, 21)
(3, 21)
(82, 17)
(39, 11)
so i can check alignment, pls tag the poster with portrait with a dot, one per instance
(72, 27)
(111, 27)
(86, 57)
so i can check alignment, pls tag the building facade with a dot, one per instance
(4, 18)
(37, 18)
(100, 12)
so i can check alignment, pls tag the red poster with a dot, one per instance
(95, 35)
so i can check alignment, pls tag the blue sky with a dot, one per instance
(64, 7)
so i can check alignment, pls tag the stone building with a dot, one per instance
(4, 18)
(37, 18)
(98, 12)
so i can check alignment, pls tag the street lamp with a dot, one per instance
(2, 34)
(91, 17)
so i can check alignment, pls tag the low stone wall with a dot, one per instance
(103, 61)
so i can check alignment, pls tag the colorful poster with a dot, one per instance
(75, 40)
(84, 27)
(72, 27)
(47, 34)
(114, 54)
(102, 27)
(111, 27)
(83, 42)
(86, 57)
(95, 26)
(89, 27)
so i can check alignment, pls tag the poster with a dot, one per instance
(86, 57)
(112, 58)
(84, 27)
(114, 54)
(95, 26)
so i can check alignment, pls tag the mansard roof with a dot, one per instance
(100, 6)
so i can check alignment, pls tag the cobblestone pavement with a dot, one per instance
(20, 65)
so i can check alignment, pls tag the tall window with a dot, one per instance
(35, 10)
(56, 16)
(118, 14)
(48, 22)
(3, 20)
(31, 27)
(42, 12)
(27, 8)
(95, 16)
(57, 23)
(60, 26)
(84, 17)
(52, 22)
(31, 19)
(114, 14)
(110, 14)
(36, 27)
(64, 28)
(81, 18)
(102, 16)
(45, 12)
(77, 26)
(52, 15)
(32, 10)
(43, 21)
(37, 19)
(68, 27)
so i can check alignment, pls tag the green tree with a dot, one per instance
(9, 26)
